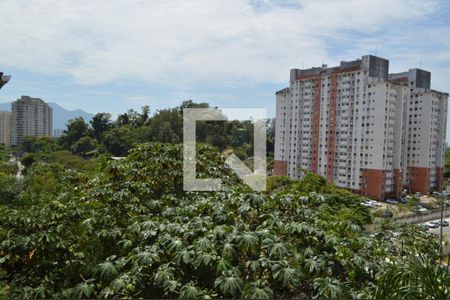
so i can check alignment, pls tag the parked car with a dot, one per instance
(418, 194)
(366, 204)
(374, 203)
(392, 201)
(419, 209)
(370, 203)
(438, 223)
(403, 200)
(432, 224)
(387, 214)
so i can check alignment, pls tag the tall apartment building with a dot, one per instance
(30, 117)
(5, 127)
(365, 130)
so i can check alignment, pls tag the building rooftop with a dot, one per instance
(283, 91)
(376, 66)
(29, 100)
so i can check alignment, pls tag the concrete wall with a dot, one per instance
(424, 217)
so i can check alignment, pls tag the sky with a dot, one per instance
(108, 56)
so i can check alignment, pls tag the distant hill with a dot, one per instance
(60, 115)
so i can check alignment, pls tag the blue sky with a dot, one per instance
(113, 55)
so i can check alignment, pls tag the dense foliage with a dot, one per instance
(130, 230)
(83, 145)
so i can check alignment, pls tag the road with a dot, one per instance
(445, 232)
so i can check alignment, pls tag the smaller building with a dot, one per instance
(5, 127)
(57, 132)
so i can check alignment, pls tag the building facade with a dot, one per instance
(30, 117)
(5, 127)
(365, 130)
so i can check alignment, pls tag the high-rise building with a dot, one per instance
(365, 130)
(5, 127)
(4, 79)
(30, 117)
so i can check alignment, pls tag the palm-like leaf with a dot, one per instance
(286, 274)
(204, 259)
(327, 288)
(83, 290)
(313, 264)
(146, 258)
(164, 273)
(120, 284)
(415, 277)
(276, 249)
(184, 256)
(190, 291)
(257, 290)
(230, 284)
(223, 265)
(107, 270)
(248, 241)
(228, 250)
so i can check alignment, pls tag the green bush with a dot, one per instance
(72, 161)
(9, 168)
(10, 187)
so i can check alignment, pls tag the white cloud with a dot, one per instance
(213, 41)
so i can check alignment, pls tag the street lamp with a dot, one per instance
(441, 196)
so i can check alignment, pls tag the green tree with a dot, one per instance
(118, 141)
(100, 123)
(76, 129)
(28, 160)
(83, 146)
(10, 187)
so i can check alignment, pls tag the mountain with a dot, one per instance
(60, 115)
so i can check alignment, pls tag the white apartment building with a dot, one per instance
(365, 130)
(30, 117)
(5, 127)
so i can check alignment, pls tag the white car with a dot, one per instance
(419, 209)
(374, 203)
(370, 203)
(432, 224)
